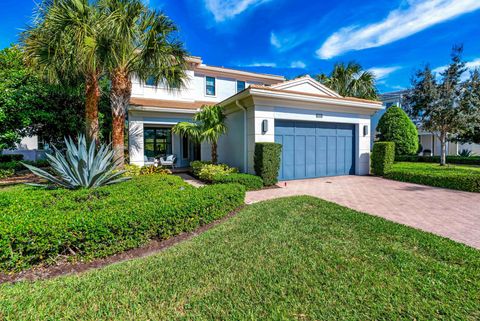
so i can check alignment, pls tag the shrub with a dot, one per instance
(197, 166)
(460, 160)
(82, 166)
(18, 166)
(395, 126)
(209, 171)
(383, 156)
(267, 162)
(152, 169)
(454, 177)
(5, 173)
(37, 225)
(11, 158)
(251, 182)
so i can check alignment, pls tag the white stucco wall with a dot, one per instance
(231, 146)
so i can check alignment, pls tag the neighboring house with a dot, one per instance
(29, 148)
(430, 142)
(322, 133)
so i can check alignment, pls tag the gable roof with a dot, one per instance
(306, 84)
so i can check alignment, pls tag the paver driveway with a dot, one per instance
(449, 213)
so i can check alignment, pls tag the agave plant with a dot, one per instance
(82, 166)
(466, 153)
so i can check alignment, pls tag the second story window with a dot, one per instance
(240, 85)
(210, 86)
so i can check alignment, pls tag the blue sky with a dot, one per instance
(292, 37)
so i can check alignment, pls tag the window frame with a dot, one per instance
(214, 86)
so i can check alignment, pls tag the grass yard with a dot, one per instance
(294, 258)
(460, 177)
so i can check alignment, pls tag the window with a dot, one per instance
(240, 85)
(210, 86)
(185, 147)
(157, 142)
(150, 81)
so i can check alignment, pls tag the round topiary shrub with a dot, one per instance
(395, 126)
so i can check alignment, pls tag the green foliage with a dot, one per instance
(208, 125)
(152, 169)
(82, 166)
(251, 182)
(350, 81)
(295, 258)
(197, 166)
(455, 177)
(267, 162)
(446, 105)
(18, 166)
(134, 170)
(209, 171)
(29, 105)
(395, 126)
(5, 173)
(383, 156)
(37, 225)
(466, 153)
(10, 158)
(471, 160)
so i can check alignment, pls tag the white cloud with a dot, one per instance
(259, 64)
(471, 65)
(227, 9)
(298, 64)
(400, 23)
(286, 40)
(383, 72)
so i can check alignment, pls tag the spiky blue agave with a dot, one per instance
(82, 166)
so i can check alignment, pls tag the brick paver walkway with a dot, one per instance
(449, 213)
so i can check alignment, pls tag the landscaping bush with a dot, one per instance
(135, 170)
(11, 158)
(37, 225)
(267, 162)
(18, 166)
(5, 173)
(471, 160)
(197, 166)
(383, 156)
(251, 182)
(395, 126)
(455, 177)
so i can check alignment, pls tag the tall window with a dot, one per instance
(210, 86)
(240, 85)
(157, 141)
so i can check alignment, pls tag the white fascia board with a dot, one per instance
(371, 107)
(167, 110)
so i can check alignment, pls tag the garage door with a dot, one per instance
(315, 149)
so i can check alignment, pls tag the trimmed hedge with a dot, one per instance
(453, 177)
(383, 156)
(251, 182)
(267, 162)
(471, 160)
(11, 158)
(395, 126)
(18, 166)
(37, 225)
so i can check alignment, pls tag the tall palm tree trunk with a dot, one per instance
(92, 97)
(119, 98)
(214, 153)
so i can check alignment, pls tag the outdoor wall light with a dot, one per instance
(365, 130)
(264, 126)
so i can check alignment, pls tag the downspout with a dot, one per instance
(245, 138)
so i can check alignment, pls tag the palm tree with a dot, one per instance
(65, 44)
(140, 43)
(350, 81)
(208, 125)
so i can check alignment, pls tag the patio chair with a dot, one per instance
(168, 160)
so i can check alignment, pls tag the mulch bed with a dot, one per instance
(22, 178)
(63, 267)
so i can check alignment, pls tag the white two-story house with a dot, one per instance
(322, 133)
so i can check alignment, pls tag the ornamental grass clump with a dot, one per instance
(82, 166)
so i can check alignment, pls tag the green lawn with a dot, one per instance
(293, 258)
(460, 177)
